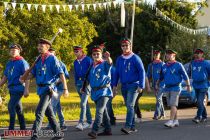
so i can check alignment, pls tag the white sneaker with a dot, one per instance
(169, 123)
(79, 126)
(176, 123)
(138, 120)
(86, 125)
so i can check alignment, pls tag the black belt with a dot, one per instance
(43, 85)
(101, 87)
(169, 86)
(11, 85)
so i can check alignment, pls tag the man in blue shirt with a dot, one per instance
(14, 69)
(199, 71)
(46, 71)
(81, 65)
(172, 74)
(153, 74)
(56, 100)
(130, 71)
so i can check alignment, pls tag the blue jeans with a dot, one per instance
(110, 111)
(57, 108)
(15, 106)
(200, 96)
(84, 106)
(130, 95)
(101, 115)
(159, 110)
(45, 107)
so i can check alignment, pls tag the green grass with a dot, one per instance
(71, 107)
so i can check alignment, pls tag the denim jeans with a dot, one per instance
(136, 107)
(45, 107)
(200, 96)
(57, 108)
(159, 108)
(84, 106)
(101, 115)
(15, 106)
(110, 111)
(130, 95)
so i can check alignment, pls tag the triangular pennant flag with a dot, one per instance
(94, 7)
(76, 7)
(88, 6)
(5, 4)
(36, 6)
(109, 4)
(114, 3)
(57, 8)
(14, 5)
(51, 8)
(99, 5)
(21, 6)
(28, 6)
(104, 4)
(122, 15)
(70, 7)
(44, 8)
(83, 7)
(64, 7)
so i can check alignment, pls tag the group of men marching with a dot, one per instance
(98, 78)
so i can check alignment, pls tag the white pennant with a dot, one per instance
(21, 6)
(109, 4)
(115, 4)
(76, 6)
(28, 6)
(14, 5)
(104, 4)
(100, 5)
(122, 15)
(70, 7)
(83, 7)
(51, 7)
(58, 8)
(88, 6)
(36, 6)
(44, 8)
(94, 7)
(5, 4)
(64, 7)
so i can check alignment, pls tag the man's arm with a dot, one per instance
(3, 80)
(65, 88)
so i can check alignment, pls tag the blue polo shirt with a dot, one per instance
(46, 74)
(100, 76)
(14, 69)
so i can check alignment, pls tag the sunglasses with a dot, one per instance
(124, 45)
(76, 51)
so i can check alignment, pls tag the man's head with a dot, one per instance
(44, 45)
(15, 50)
(97, 53)
(126, 45)
(198, 53)
(171, 55)
(156, 54)
(78, 51)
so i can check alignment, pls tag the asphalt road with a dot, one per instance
(149, 129)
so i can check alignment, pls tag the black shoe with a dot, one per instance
(133, 130)
(47, 128)
(204, 120)
(196, 120)
(113, 122)
(126, 130)
(57, 138)
(155, 118)
(105, 133)
(93, 135)
(63, 128)
(34, 138)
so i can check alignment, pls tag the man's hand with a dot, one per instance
(114, 90)
(189, 88)
(66, 93)
(21, 79)
(139, 90)
(149, 90)
(26, 93)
